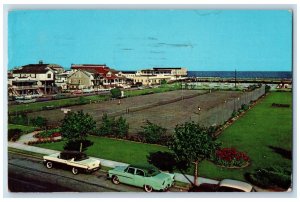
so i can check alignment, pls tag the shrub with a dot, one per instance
(40, 122)
(111, 127)
(14, 134)
(234, 114)
(162, 160)
(115, 93)
(230, 157)
(20, 119)
(82, 100)
(152, 133)
(267, 88)
(106, 127)
(74, 145)
(270, 177)
(120, 127)
(244, 107)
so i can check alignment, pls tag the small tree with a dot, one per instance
(106, 127)
(115, 92)
(163, 82)
(152, 133)
(193, 143)
(121, 127)
(40, 122)
(76, 126)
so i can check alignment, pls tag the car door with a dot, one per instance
(139, 178)
(128, 176)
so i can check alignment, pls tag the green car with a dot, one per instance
(148, 178)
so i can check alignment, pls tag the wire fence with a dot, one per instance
(219, 114)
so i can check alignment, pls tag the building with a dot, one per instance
(61, 81)
(102, 75)
(33, 79)
(157, 74)
(79, 80)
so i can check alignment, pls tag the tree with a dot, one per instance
(121, 127)
(115, 92)
(152, 133)
(193, 143)
(106, 127)
(39, 121)
(76, 126)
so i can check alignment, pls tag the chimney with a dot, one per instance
(41, 62)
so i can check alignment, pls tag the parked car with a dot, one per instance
(226, 185)
(148, 178)
(76, 161)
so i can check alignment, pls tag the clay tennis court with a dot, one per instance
(166, 109)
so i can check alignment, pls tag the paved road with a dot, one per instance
(28, 174)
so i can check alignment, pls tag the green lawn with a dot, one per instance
(261, 127)
(161, 89)
(25, 129)
(116, 150)
(37, 106)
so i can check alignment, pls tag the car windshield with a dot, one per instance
(80, 157)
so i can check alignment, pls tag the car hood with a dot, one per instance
(119, 168)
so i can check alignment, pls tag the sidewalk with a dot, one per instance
(21, 144)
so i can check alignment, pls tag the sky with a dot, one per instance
(200, 40)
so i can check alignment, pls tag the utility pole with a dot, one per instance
(234, 78)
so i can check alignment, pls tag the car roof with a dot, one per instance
(236, 184)
(143, 167)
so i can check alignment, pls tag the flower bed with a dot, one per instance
(231, 158)
(43, 140)
(48, 134)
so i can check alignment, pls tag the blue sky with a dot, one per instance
(201, 40)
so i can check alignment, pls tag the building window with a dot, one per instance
(49, 76)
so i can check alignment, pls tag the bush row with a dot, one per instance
(112, 127)
(23, 119)
(270, 177)
(14, 134)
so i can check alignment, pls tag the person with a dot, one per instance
(119, 102)
(199, 108)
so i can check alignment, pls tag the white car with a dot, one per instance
(76, 161)
(226, 185)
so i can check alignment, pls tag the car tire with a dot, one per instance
(75, 171)
(115, 180)
(49, 164)
(148, 188)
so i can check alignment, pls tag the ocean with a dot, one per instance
(243, 74)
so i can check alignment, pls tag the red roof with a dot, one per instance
(100, 69)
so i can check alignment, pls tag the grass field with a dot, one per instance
(37, 106)
(116, 150)
(261, 127)
(25, 129)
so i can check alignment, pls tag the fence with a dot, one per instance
(222, 112)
